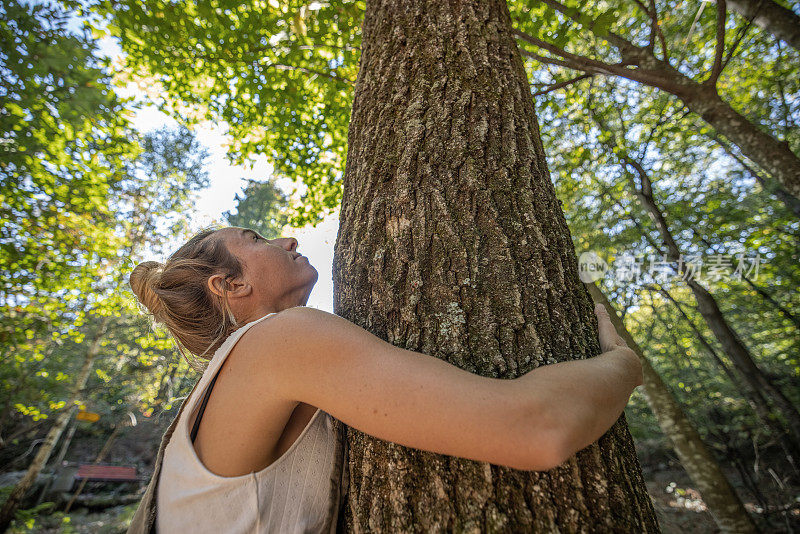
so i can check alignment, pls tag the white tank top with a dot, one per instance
(298, 492)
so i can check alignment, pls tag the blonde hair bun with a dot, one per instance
(144, 280)
(177, 295)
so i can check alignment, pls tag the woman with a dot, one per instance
(267, 456)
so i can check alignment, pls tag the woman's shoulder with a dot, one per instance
(278, 350)
(304, 312)
(244, 408)
(262, 350)
(293, 314)
(289, 325)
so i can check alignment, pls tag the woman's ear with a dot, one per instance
(237, 287)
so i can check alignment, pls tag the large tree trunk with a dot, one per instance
(46, 448)
(770, 16)
(700, 464)
(452, 243)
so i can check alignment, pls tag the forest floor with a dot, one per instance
(681, 509)
(678, 505)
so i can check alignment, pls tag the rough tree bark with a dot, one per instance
(700, 464)
(770, 16)
(46, 448)
(452, 243)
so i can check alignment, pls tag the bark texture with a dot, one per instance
(700, 464)
(453, 243)
(770, 16)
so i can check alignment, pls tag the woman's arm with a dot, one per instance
(586, 396)
(589, 395)
(416, 400)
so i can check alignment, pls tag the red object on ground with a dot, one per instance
(106, 472)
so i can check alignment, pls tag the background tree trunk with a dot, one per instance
(708, 307)
(769, 153)
(99, 458)
(46, 448)
(780, 21)
(452, 243)
(700, 464)
(754, 397)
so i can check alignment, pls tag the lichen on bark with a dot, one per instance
(453, 243)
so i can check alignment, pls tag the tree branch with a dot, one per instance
(557, 86)
(550, 60)
(610, 37)
(255, 59)
(655, 29)
(719, 50)
(659, 33)
(660, 77)
(739, 37)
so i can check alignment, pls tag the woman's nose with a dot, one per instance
(289, 243)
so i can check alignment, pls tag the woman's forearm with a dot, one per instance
(581, 399)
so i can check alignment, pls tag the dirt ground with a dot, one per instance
(681, 510)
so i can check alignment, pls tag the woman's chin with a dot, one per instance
(313, 280)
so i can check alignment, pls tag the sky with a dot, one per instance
(228, 180)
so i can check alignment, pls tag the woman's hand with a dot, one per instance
(610, 341)
(584, 397)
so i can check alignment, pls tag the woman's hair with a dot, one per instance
(176, 293)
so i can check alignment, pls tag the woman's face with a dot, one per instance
(280, 276)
